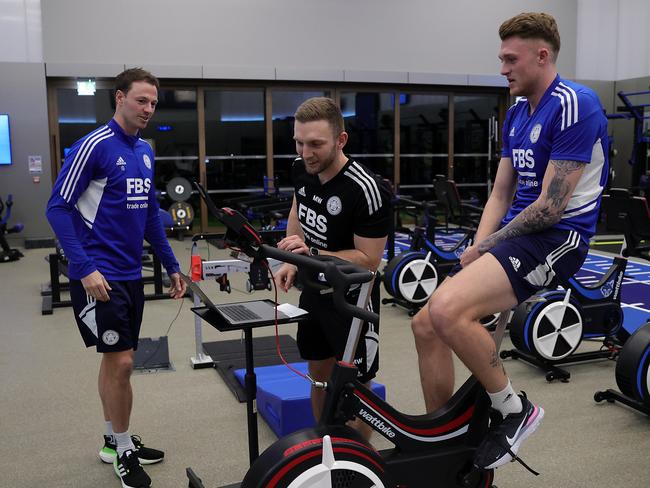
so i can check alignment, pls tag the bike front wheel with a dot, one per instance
(319, 458)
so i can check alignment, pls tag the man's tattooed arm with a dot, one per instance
(547, 210)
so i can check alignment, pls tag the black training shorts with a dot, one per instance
(114, 325)
(324, 333)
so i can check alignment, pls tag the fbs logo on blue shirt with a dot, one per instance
(137, 190)
(137, 186)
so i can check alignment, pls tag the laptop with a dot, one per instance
(238, 313)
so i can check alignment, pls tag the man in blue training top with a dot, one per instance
(103, 206)
(535, 227)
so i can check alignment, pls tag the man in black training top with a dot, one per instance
(340, 208)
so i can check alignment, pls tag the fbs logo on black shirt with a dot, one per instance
(311, 218)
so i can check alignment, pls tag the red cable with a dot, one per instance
(277, 335)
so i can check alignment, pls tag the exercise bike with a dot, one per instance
(633, 364)
(632, 373)
(547, 328)
(433, 450)
(8, 254)
(412, 276)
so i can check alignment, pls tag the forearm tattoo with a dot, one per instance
(538, 215)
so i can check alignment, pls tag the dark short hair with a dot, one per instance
(321, 108)
(125, 79)
(533, 25)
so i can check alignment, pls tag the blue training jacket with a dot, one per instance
(103, 206)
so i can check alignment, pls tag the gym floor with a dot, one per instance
(51, 423)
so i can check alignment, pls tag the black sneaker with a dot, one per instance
(128, 469)
(146, 455)
(505, 437)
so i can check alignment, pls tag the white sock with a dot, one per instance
(124, 442)
(506, 401)
(109, 429)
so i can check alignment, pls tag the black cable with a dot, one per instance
(153, 354)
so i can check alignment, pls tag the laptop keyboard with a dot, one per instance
(239, 313)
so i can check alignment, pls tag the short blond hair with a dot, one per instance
(533, 25)
(321, 108)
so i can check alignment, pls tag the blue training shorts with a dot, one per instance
(540, 260)
(110, 326)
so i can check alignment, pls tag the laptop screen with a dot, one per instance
(244, 312)
(197, 290)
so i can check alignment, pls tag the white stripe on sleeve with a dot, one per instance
(80, 161)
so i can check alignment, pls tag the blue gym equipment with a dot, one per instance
(412, 276)
(7, 253)
(547, 329)
(633, 364)
(632, 373)
(284, 398)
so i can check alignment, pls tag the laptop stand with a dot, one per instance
(222, 324)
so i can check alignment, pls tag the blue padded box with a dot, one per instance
(283, 397)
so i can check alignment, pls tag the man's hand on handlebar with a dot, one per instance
(285, 276)
(294, 244)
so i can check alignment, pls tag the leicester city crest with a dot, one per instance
(534, 134)
(607, 289)
(110, 337)
(334, 205)
(147, 161)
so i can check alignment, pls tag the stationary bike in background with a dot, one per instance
(412, 276)
(434, 450)
(633, 364)
(456, 211)
(632, 373)
(547, 328)
(8, 254)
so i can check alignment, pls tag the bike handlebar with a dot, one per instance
(339, 274)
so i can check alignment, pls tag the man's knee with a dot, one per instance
(119, 365)
(444, 310)
(422, 327)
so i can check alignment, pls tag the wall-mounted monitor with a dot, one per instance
(5, 140)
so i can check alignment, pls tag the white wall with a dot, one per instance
(20, 31)
(633, 53)
(597, 39)
(296, 37)
(613, 41)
